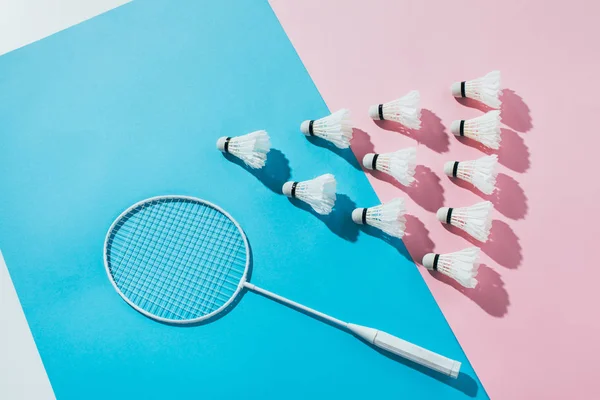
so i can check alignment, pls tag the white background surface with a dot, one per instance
(25, 21)
(22, 374)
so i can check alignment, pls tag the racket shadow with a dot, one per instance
(463, 382)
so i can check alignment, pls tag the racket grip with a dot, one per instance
(407, 350)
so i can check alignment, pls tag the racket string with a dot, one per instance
(222, 259)
(140, 274)
(167, 248)
(177, 259)
(181, 277)
(145, 265)
(171, 281)
(209, 281)
(143, 240)
(120, 226)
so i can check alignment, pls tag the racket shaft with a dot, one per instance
(295, 305)
(376, 337)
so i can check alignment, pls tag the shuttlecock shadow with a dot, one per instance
(426, 190)
(513, 152)
(432, 133)
(416, 238)
(346, 154)
(391, 240)
(472, 103)
(463, 383)
(502, 245)
(361, 144)
(275, 172)
(414, 244)
(490, 293)
(508, 198)
(339, 221)
(515, 113)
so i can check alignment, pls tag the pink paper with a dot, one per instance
(531, 328)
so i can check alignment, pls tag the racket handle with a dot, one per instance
(407, 350)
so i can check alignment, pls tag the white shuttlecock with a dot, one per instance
(481, 172)
(335, 128)
(484, 129)
(319, 193)
(389, 217)
(405, 110)
(252, 148)
(399, 164)
(461, 266)
(485, 89)
(476, 220)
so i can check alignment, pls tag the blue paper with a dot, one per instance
(129, 105)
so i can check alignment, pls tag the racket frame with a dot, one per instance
(156, 317)
(373, 336)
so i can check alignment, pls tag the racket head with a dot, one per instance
(176, 259)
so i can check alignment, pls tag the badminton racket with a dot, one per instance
(182, 260)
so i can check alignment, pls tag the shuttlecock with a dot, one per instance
(481, 172)
(485, 89)
(335, 128)
(484, 129)
(476, 220)
(389, 217)
(399, 164)
(405, 110)
(319, 193)
(462, 265)
(252, 148)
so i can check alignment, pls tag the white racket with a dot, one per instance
(182, 260)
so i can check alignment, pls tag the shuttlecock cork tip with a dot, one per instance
(287, 188)
(221, 143)
(428, 260)
(455, 127)
(449, 168)
(374, 112)
(305, 127)
(442, 214)
(357, 215)
(368, 160)
(455, 88)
